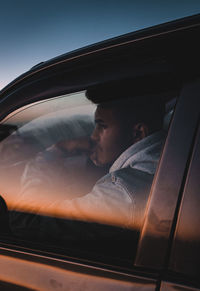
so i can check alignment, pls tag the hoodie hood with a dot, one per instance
(143, 155)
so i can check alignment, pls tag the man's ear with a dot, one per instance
(140, 131)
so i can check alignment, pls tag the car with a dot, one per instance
(41, 249)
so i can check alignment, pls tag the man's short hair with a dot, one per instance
(119, 96)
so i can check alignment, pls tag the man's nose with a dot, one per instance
(95, 135)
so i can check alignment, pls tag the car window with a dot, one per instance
(74, 176)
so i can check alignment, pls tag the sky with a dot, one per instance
(32, 31)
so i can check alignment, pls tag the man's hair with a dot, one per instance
(132, 110)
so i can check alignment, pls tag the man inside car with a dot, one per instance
(127, 138)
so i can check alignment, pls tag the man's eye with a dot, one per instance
(102, 125)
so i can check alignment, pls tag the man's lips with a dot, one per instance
(93, 152)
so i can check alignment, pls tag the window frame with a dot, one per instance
(67, 252)
(188, 246)
(160, 220)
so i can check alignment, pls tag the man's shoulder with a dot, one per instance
(127, 177)
(130, 176)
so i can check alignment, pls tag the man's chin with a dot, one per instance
(95, 160)
(99, 164)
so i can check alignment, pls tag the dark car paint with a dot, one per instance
(138, 36)
(158, 53)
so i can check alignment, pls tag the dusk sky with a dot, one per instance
(35, 31)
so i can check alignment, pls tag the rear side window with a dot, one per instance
(76, 174)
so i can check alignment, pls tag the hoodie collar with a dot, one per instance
(138, 151)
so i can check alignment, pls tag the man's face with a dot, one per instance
(110, 137)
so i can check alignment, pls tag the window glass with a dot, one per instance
(76, 170)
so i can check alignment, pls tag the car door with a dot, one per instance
(149, 261)
(42, 266)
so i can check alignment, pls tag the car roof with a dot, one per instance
(134, 37)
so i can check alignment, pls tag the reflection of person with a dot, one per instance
(128, 138)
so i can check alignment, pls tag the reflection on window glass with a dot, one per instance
(82, 171)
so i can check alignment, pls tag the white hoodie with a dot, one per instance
(120, 197)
